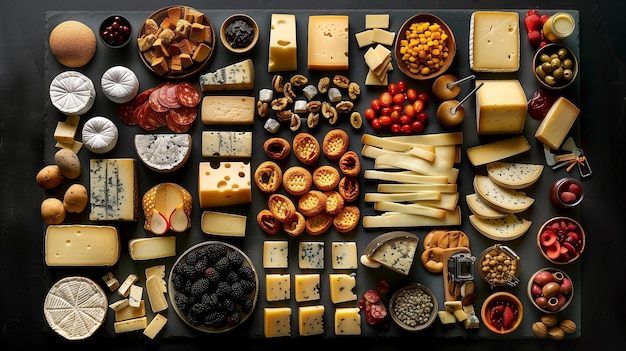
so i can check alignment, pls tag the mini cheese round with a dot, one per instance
(72, 93)
(75, 307)
(72, 43)
(100, 135)
(119, 84)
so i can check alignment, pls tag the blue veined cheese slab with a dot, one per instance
(113, 189)
(221, 143)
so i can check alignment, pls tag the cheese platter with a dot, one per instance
(380, 170)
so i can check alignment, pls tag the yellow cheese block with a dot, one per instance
(228, 184)
(347, 321)
(283, 54)
(501, 106)
(228, 110)
(157, 299)
(494, 41)
(307, 287)
(66, 130)
(277, 287)
(311, 320)
(81, 245)
(155, 326)
(152, 248)
(557, 123)
(377, 21)
(328, 45)
(497, 150)
(276, 322)
(342, 287)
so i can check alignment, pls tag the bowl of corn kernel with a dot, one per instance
(424, 47)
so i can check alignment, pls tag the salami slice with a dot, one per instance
(168, 96)
(155, 102)
(187, 94)
(183, 115)
(126, 112)
(140, 116)
(151, 117)
(143, 96)
(177, 128)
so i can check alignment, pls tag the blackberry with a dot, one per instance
(201, 265)
(223, 290)
(192, 258)
(213, 252)
(236, 259)
(200, 286)
(178, 281)
(246, 272)
(213, 274)
(222, 265)
(188, 271)
(193, 320)
(231, 277)
(215, 320)
(182, 302)
(238, 294)
(228, 305)
(212, 302)
(247, 305)
(234, 318)
(247, 285)
(198, 310)
(188, 285)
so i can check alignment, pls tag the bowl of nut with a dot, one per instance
(413, 307)
(556, 66)
(499, 266)
(550, 290)
(502, 312)
(561, 240)
(424, 47)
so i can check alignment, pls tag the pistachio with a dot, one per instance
(298, 80)
(341, 81)
(262, 108)
(354, 90)
(313, 120)
(356, 121)
(568, 326)
(277, 83)
(279, 104)
(344, 106)
(540, 330)
(323, 85)
(314, 106)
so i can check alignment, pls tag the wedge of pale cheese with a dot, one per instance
(501, 229)
(482, 209)
(513, 175)
(503, 199)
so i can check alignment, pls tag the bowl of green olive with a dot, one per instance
(555, 66)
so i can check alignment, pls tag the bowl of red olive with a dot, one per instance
(239, 33)
(555, 66)
(115, 31)
(502, 312)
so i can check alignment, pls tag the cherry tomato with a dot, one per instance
(397, 107)
(396, 128)
(409, 110)
(404, 119)
(418, 105)
(386, 110)
(401, 86)
(417, 126)
(386, 99)
(407, 129)
(422, 117)
(411, 94)
(398, 99)
(395, 116)
(385, 120)
(376, 105)
(369, 114)
(423, 97)
(392, 88)
(376, 124)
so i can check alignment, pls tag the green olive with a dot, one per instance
(567, 63)
(553, 56)
(544, 58)
(562, 53)
(555, 62)
(568, 74)
(550, 80)
(557, 73)
(540, 73)
(546, 67)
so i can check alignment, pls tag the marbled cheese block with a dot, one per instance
(163, 152)
(222, 143)
(113, 192)
(311, 255)
(276, 254)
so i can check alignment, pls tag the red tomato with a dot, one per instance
(376, 105)
(376, 124)
(396, 128)
(392, 88)
(422, 116)
(395, 116)
(409, 110)
(404, 119)
(417, 126)
(407, 129)
(385, 120)
(369, 114)
(401, 86)
(423, 97)
(411, 94)
(397, 107)
(386, 110)
(398, 99)
(418, 105)
(386, 99)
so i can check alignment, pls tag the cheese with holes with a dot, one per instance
(228, 184)
(276, 322)
(81, 245)
(228, 110)
(394, 250)
(342, 287)
(557, 123)
(163, 152)
(311, 320)
(129, 325)
(152, 248)
(307, 287)
(311, 255)
(65, 131)
(224, 224)
(113, 190)
(328, 42)
(155, 326)
(72, 93)
(277, 287)
(283, 54)
(237, 76)
(503, 199)
(501, 106)
(497, 150)
(276, 254)
(222, 143)
(347, 321)
(344, 255)
(494, 41)
(501, 229)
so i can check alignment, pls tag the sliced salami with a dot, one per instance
(140, 117)
(177, 128)
(187, 94)
(126, 112)
(143, 96)
(155, 102)
(183, 115)
(168, 95)
(151, 117)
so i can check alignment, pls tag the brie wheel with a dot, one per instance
(163, 152)
(120, 84)
(100, 135)
(73, 93)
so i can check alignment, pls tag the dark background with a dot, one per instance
(22, 98)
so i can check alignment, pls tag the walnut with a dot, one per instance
(298, 80)
(327, 110)
(262, 108)
(277, 83)
(354, 90)
(289, 93)
(540, 330)
(295, 122)
(341, 81)
(568, 326)
(344, 106)
(313, 120)
(549, 320)
(280, 104)
(556, 333)
(313, 106)
(323, 85)
(284, 115)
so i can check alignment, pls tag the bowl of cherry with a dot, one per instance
(561, 240)
(115, 31)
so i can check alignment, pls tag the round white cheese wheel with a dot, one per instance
(120, 84)
(75, 307)
(73, 93)
(100, 134)
(163, 152)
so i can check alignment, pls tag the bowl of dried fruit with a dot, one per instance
(502, 312)
(213, 287)
(413, 307)
(550, 290)
(239, 33)
(561, 240)
(424, 47)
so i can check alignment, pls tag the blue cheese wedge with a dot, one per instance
(394, 250)
(237, 76)
(512, 175)
(221, 143)
(502, 199)
(501, 229)
(163, 152)
(72, 93)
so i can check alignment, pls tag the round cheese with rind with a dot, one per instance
(75, 307)
(72, 93)
(501, 229)
(163, 152)
(120, 84)
(512, 175)
(100, 135)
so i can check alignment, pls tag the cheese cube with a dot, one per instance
(494, 41)
(221, 143)
(113, 189)
(311, 255)
(277, 322)
(311, 320)
(283, 54)
(364, 38)
(277, 287)
(328, 46)
(446, 317)
(130, 312)
(81, 245)
(276, 254)
(135, 295)
(347, 321)
(377, 21)
(557, 123)
(344, 255)
(501, 107)
(238, 110)
(228, 184)
(66, 130)
(342, 287)
(155, 326)
(130, 325)
(111, 282)
(307, 287)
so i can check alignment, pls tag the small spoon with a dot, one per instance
(452, 84)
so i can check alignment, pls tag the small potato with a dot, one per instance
(49, 177)
(68, 163)
(75, 198)
(52, 211)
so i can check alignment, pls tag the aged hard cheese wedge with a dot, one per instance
(394, 250)
(228, 184)
(228, 110)
(497, 150)
(494, 41)
(283, 54)
(328, 42)
(501, 229)
(501, 106)
(557, 123)
(81, 245)
(113, 189)
(514, 175)
(276, 322)
(223, 224)
(152, 248)
(163, 152)
(503, 199)
(237, 76)
(221, 143)
(155, 326)
(75, 307)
